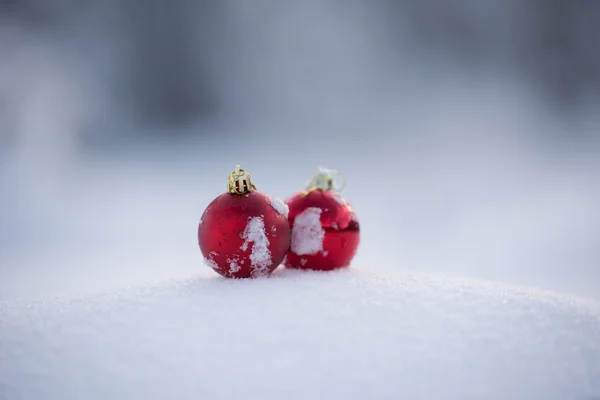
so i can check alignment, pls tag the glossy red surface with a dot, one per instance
(221, 228)
(342, 231)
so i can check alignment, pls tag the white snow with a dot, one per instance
(339, 199)
(210, 263)
(280, 206)
(307, 233)
(233, 265)
(349, 334)
(260, 256)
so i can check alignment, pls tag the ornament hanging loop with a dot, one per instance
(341, 181)
(238, 182)
(325, 180)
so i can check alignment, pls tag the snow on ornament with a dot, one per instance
(325, 229)
(308, 233)
(244, 233)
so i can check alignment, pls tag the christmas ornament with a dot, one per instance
(325, 229)
(244, 233)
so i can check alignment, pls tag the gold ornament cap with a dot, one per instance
(324, 180)
(238, 182)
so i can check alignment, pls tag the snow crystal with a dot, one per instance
(233, 264)
(307, 233)
(303, 261)
(260, 257)
(211, 263)
(234, 267)
(280, 206)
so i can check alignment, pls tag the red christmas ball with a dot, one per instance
(325, 230)
(244, 235)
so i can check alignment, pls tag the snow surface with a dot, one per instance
(349, 334)
(260, 255)
(307, 232)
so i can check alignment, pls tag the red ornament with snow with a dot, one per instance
(244, 233)
(325, 229)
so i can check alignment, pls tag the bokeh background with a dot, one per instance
(468, 131)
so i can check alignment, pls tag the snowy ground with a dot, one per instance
(351, 334)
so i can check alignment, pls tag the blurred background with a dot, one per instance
(468, 131)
